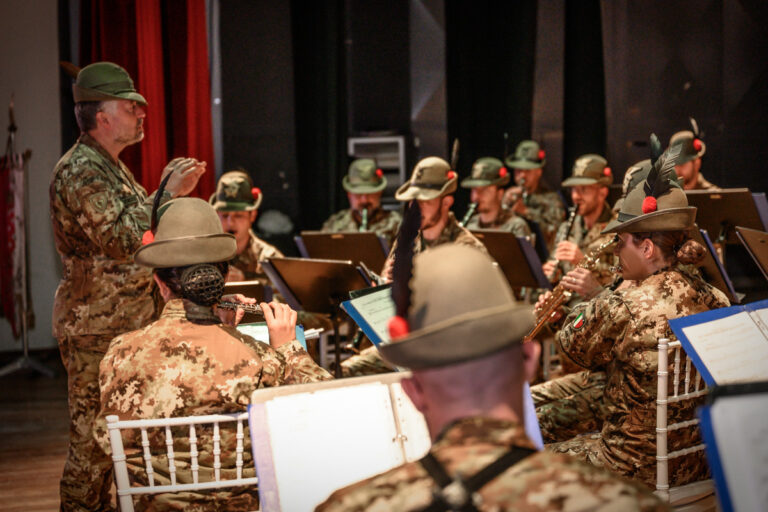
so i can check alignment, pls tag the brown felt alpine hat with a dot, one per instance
(102, 81)
(656, 203)
(589, 169)
(486, 171)
(446, 331)
(528, 155)
(188, 232)
(364, 177)
(692, 146)
(432, 177)
(235, 193)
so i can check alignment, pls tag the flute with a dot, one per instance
(248, 308)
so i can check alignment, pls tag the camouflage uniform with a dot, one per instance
(174, 367)
(545, 208)
(619, 331)
(382, 222)
(249, 261)
(506, 221)
(588, 240)
(99, 213)
(367, 362)
(543, 481)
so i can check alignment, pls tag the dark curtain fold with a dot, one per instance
(490, 57)
(318, 30)
(134, 34)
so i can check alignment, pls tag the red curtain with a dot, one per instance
(164, 47)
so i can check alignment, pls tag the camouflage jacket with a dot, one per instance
(703, 184)
(542, 481)
(451, 233)
(588, 240)
(382, 222)
(99, 214)
(619, 331)
(249, 261)
(174, 367)
(367, 362)
(506, 221)
(545, 208)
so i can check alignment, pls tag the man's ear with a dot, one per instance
(165, 291)
(448, 201)
(603, 193)
(254, 214)
(414, 392)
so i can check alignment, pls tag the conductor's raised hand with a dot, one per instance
(281, 323)
(185, 173)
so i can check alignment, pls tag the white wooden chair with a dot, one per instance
(696, 495)
(125, 491)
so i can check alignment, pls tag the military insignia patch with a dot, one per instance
(98, 201)
(579, 322)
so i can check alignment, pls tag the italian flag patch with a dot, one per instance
(579, 322)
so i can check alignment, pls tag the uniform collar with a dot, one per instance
(183, 309)
(477, 429)
(93, 144)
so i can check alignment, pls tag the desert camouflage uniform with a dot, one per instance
(588, 240)
(367, 362)
(703, 184)
(174, 367)
(506, 221)
(545, 208)
(382, 222)
(619, 332)
(249, 261)
(99, 213)
(542, 481)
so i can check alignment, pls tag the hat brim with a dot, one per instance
(363, 189)
(408, 191)
(190, 250)
(462, 338)
(525, 164)
(233, 206)
(670, 219)
(575, 181)
(81, 94)
(477, 182)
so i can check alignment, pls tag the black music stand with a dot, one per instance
(252, 289)
(756, 243)
(713, 269)
(516, 258)
(367, 247)
(719, 212)
(319, 286)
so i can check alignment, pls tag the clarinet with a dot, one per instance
(468, 215)
(364, 223)
(571, 220)
(248, 308)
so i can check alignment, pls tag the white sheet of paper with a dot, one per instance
(377, 308)
(733, 348)
(741, 428)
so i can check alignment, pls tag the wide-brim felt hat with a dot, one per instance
(446, 331)
(590, 169)
(103, 81)
(188, 232)
(689, 142)
(432, 177)
(364, 177)
(235, 193)
(486, 171)
(528, 155)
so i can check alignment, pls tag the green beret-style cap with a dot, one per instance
(102, 81)
(487, 171)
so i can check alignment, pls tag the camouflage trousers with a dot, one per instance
(87, 478)
(569, 405)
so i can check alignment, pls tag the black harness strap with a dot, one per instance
(471, 485)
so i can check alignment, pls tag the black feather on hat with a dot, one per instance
(402, 269)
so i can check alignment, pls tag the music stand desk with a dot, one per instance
(367, 247)
(516, 257)
(719, 212)
(756, 243)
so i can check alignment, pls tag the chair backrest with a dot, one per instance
(687, 385)
(125, 491)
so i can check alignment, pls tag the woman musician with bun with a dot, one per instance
(615, 334)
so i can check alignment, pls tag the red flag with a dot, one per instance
(13, 239)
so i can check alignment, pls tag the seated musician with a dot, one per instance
(582, 233)
(188, 362)
(237, 202)
(486, 181)
(617, 331)
(530, 197)
(364, 184)
(688, 167)
(469, 367)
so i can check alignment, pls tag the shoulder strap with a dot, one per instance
(455, 494)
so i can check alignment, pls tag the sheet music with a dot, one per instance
(375, 309)
(733, 349)
(260, 332)
(760, 317)
(741, 428)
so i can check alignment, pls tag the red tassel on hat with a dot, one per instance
(379, 173)
(697, 144)
(502, 172)
(607, 171)
(255, 192)
(542, 154)
(649, 204)
(147, 238)
(450, 175)
(398, 327)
